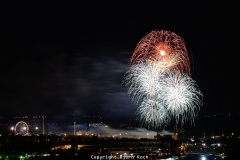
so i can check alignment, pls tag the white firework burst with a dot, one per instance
(152, 114)
(142, 80)
(180, 95)
(162, 93)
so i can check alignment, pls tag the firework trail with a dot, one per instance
(163, 46)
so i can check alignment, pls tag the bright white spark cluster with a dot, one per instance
(141, 79)
(161, 88)
(151, 113)
(180, 95)
(162, 94)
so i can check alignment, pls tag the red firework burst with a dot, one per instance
(163, 46)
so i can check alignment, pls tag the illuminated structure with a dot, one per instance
(21, 128)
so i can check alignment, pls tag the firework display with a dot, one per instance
(159, 81)
(142, 80)
(180, 95)
(164, 46)
(151, 113)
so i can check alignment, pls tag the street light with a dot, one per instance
(74, 131)
(43, 123)
(12, 128)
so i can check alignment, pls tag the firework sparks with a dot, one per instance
(151, 113)
(174, 91)
(180, 95)
(163, 46)
(142, 80)
(158, 81)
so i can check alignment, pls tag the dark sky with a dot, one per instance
(60, 58)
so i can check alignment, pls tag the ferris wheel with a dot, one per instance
(21, 128)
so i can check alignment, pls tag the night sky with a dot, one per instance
(64, 58)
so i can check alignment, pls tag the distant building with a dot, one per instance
(167, 133)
